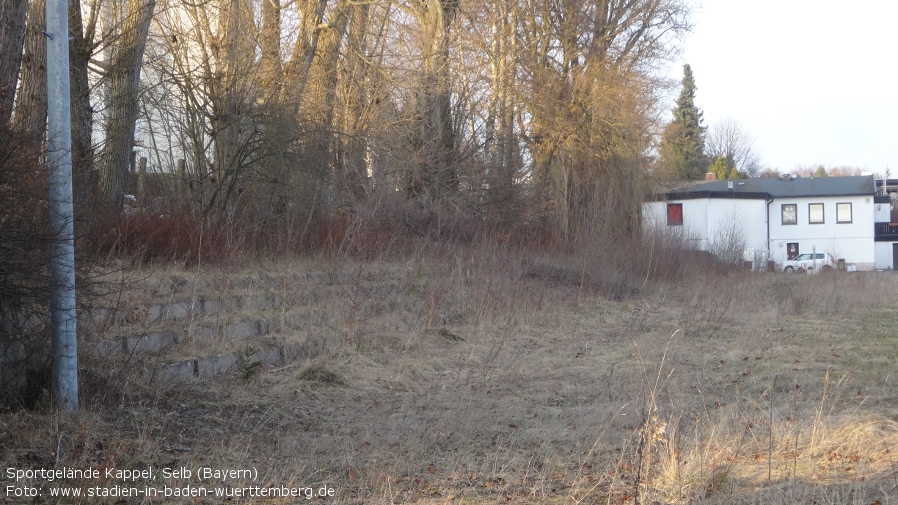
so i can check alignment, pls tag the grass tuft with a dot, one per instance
(321, 374)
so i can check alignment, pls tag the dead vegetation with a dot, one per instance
(484, 374)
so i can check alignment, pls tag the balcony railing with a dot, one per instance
(885, 232)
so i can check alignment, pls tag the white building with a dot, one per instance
(777, 219)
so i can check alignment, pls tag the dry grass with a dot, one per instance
(482, 375)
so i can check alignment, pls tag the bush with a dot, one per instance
(24, 278)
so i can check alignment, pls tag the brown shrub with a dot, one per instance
(25, 245)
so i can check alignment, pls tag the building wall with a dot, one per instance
(883, 212)
(850, 241)
(712, 223)
(692, 232)
(737, 219)
(708, 222)
(884, 259)
(883, 252)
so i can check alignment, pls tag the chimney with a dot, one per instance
(710, 176)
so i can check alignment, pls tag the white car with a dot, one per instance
(810, 262)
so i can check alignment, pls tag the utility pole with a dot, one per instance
(62, 262)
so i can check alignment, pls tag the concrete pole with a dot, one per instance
(62, 263)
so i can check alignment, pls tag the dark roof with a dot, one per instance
(776, 188)
(891, 184)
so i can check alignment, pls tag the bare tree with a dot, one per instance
(433, 173)
(589, 93)
(31, 100)
(12, 36)
(81, 48)
(122, 81)
(819, 170)
(436, 98)
(729, 140)
(493, 103)
(270, 40)
(232, 93)
(357, 99)
(311, 14)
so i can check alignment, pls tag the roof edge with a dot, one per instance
(699, 195)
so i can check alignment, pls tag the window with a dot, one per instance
(843, 212)
(675, 214)
(815, 213)
(790, 213)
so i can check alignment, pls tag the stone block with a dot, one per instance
(178, 311)
(175, 372)
(242, 329)
(154, 313)
(219, 364)
(210, 307)
(205, 333)
(151, 342)
(103, 346)
(271, 355)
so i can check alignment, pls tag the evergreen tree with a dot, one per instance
(719, 168)
(683, 143)
(723, 169)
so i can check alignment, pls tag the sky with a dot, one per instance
(812, 81)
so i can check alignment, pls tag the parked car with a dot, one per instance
(810, 262)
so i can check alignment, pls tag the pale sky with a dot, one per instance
(813, 81)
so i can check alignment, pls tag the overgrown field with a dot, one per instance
(485, 375)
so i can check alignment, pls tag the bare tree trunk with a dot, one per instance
(436, 175)
(82, 115)
(318, 106)
(351, 144)
(31, 100)
(500, 149)
(270, 44)
(232, 97)
(12, 38)
(311, 14)
(123, 81)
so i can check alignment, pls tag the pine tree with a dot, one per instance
(720, 168)
(723, 169)
(683, 142)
